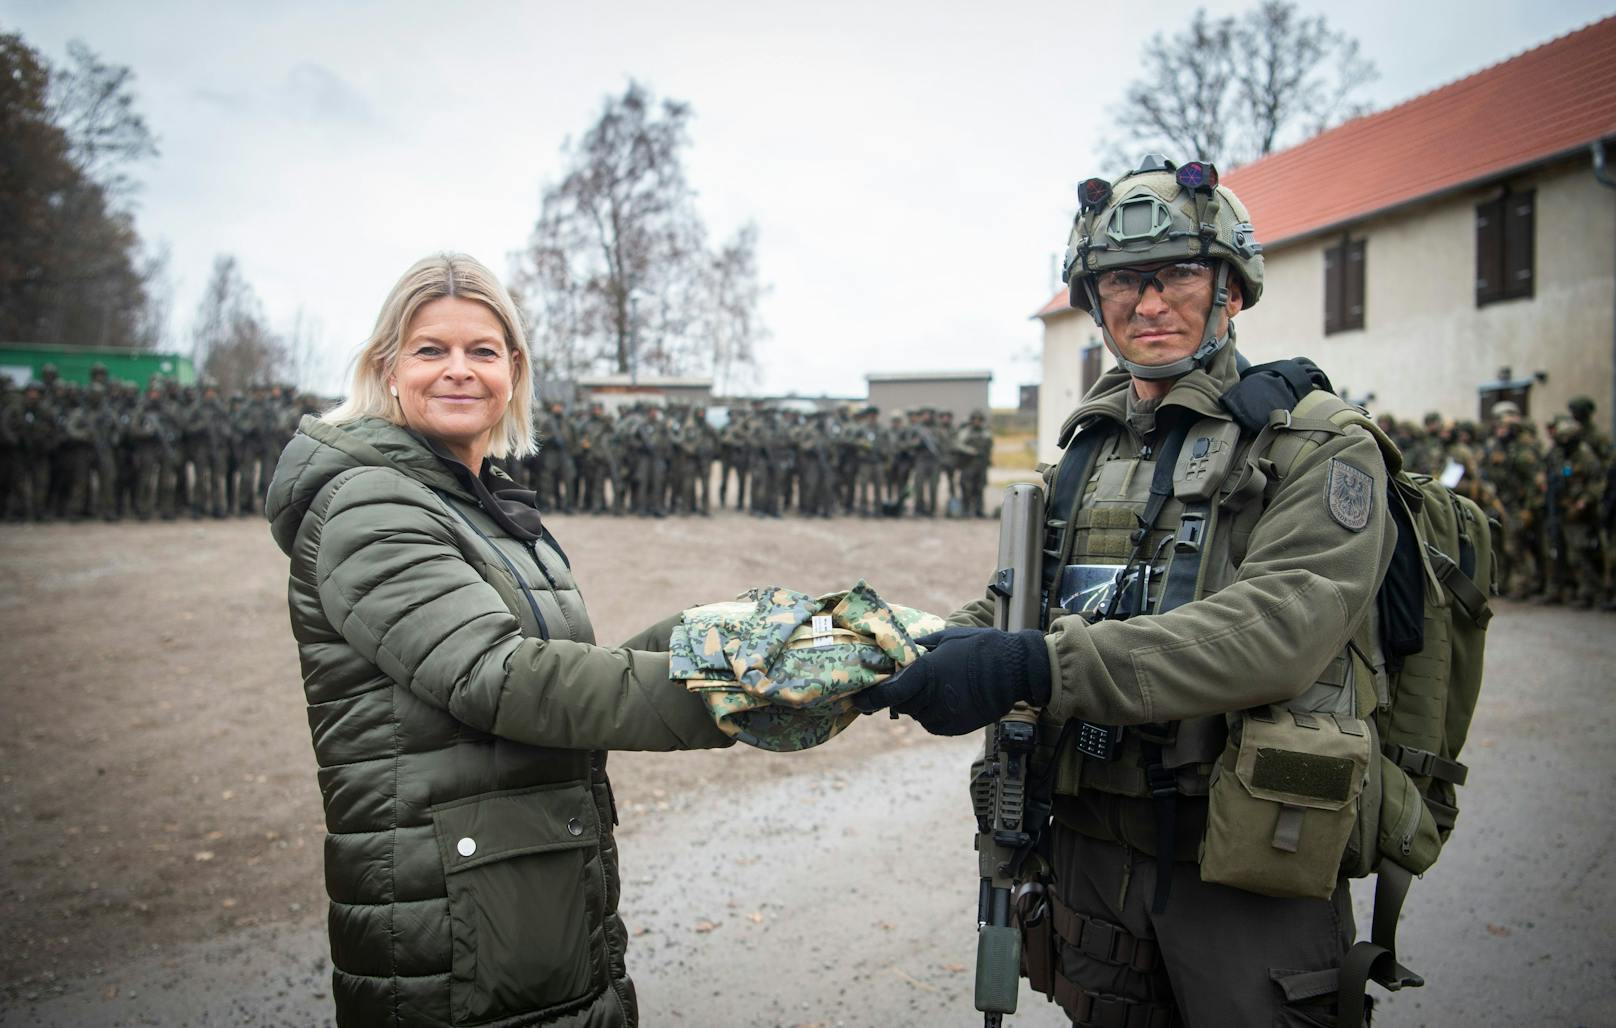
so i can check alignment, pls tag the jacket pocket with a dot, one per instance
(1278, 820)
(526, 900)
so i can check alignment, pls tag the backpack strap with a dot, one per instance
(1076, 465)
(1377, 956)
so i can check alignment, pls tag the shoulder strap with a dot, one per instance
(1076, 465)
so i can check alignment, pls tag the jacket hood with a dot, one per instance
(321, 451)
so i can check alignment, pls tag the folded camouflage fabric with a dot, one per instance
(777, 667)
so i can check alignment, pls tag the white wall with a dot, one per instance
(1425, 344)
(1065, 337)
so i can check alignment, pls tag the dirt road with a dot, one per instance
(162, 825)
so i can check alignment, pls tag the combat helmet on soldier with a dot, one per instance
(1178, 217)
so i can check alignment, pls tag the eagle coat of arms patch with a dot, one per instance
(1350, 495)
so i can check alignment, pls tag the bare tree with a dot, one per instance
(733, 325)
(232, 343)
(1235, 88)
(616, 272)
(94, 103)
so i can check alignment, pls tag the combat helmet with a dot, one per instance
(1161, 212)
(1582, 407)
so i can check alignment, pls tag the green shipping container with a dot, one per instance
(21, 362)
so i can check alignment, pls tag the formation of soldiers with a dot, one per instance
(655, 461)
(1554, 494)
(110, 450)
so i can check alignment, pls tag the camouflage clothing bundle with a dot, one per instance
(777, 668)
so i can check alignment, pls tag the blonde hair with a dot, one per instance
(433, 278)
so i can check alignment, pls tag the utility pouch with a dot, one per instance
(1038, 956)
(1408, 833)
(1283, 801)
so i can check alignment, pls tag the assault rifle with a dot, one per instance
(1005, 832)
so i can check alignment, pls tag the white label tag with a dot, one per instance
(822, 630)
(1452, 474)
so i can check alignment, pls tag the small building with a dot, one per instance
(957, 391)
(21, 362)
(1445, 253)
(616, 391)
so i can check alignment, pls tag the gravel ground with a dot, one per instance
(162, 825)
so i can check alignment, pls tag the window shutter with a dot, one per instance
(1091, 366)
(1352, 285)
(1334, 267)
(1518, 267)
(1489, 251)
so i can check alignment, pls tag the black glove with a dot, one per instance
(967, 679)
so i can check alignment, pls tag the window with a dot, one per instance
(1504, 245)
(1344, 286)
(1091, 365)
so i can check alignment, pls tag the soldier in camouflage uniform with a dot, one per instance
(551, 470)
(1582, 410)
(928, 461)
(597, 463)
(10, 449)
(1575, 483)
(207, 442)
(149, 439)
(735, 453)
(974, 445)
(867, 470)
(651, 452)
(949, 459)
(898, 461)
(1513, 467)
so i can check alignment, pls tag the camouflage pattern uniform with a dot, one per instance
(928, 462)
(1575, 486)
(771, 681)
(974, 445)
(1513, 467)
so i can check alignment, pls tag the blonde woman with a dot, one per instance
(459, 705)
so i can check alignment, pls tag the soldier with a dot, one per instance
(735, 455)
(1575, 484)
(39, 437)
(1164, 259)
(207, 443)
(651, 452)
(867, 474)
(900, 461)
(1514, 469)
(704, 454)
(554, 469)
(107, 437)
(928, 461)
(148, 437)
(597, 463)
(950, 459)
(11, 463)
(974, 447)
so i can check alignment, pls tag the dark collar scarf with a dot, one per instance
(515, 510)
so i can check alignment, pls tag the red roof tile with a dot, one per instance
(1546, 102)
(1549, 101)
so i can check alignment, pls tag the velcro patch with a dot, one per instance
(1350, 495)
(1303, 774)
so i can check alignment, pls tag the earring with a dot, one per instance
(394, 389)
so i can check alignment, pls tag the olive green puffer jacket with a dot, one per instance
(460, 711)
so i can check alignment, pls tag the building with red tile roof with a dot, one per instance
(1433, 253)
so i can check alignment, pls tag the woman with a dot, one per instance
(459, 705)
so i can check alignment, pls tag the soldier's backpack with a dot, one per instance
(1425, 644)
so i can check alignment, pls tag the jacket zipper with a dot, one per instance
(532, 604)
(1411, 816)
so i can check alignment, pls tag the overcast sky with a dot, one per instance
(910, 165)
